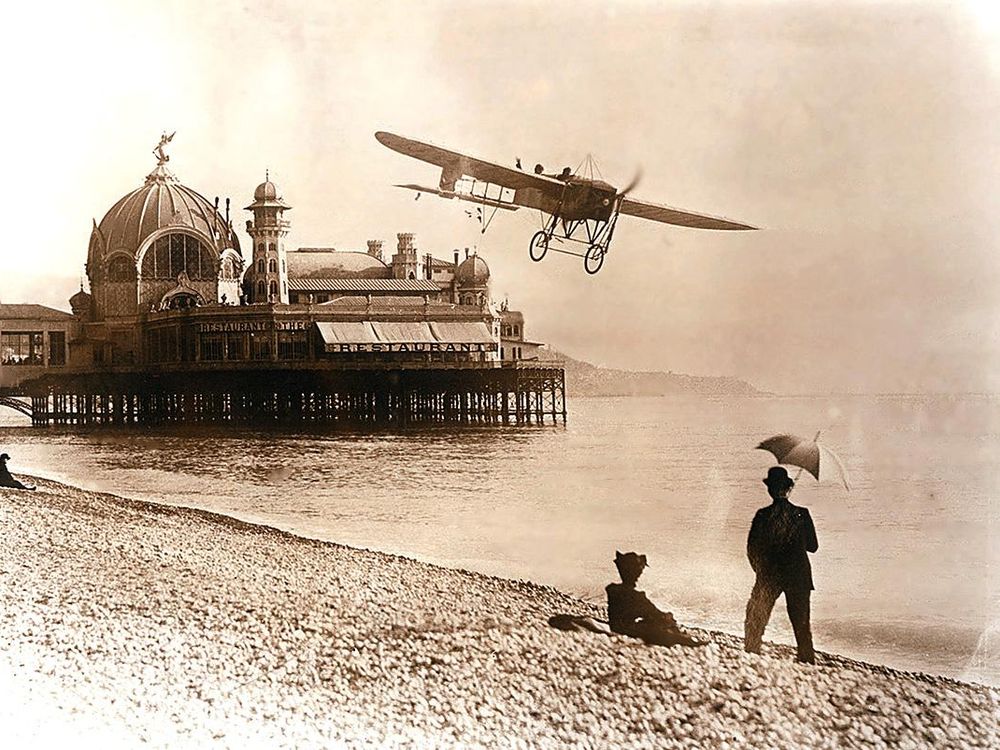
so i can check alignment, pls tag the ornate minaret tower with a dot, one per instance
(267, 277)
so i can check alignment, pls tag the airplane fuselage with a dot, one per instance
(580, 199)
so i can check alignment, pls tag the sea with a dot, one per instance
(908, 568)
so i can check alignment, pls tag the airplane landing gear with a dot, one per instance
(539, 245)
(594, 258)
(597, 239)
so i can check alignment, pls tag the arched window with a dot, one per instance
(272, 265)
(182, 302)
(261, 289)
(121, 268)
(274, 288)
(172, 254)
(284, 287)
(283, 268)
(260, 266)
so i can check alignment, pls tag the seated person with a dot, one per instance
(6, 480)
(631, 613)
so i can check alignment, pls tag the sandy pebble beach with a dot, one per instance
(127, 624)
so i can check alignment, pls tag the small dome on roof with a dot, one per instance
(472, 271)
(266, 191)
(80, 302)
(267, 195)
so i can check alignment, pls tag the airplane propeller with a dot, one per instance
(632, 185)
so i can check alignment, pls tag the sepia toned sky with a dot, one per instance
(862, 138)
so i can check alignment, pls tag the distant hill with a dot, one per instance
(585, 379)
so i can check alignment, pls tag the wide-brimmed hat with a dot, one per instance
(630, 563)
(778, 476)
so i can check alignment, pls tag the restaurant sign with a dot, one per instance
(251, 326)
(413, 346)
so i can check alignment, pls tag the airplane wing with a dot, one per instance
(469, 166)
(667, 215)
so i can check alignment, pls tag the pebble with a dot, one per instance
(191, 630)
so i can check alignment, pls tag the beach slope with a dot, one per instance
(129, 624)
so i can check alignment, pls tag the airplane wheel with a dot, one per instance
(594, 259)
(539, 246)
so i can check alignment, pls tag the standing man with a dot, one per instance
(780, 537)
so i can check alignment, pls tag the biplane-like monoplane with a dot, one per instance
(580, 209)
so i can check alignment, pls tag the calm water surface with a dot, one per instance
(906, 573)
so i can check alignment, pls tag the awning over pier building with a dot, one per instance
(461, 332)
(384, 336)
(347, 333)
(404, 333)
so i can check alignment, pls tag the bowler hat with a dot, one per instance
(4, 457)
(777, 475)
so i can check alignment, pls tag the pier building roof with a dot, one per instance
(31, 312)
(338, 285)
(390, 303)
(328, 263)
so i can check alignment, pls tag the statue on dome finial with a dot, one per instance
(158, 151)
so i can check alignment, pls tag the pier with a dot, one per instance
(516, 393)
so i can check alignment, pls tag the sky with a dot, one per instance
(861, 138)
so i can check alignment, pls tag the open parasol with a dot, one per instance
(810, 455)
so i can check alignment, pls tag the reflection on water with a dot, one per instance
(906, 571)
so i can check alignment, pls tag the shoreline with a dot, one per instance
(195, 628)
(238, 523)
(900, 659)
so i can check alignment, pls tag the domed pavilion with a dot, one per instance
(162, 246)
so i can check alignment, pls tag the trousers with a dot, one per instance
(762, 600)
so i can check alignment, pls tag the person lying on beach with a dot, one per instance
(6, 480)
(631, 613)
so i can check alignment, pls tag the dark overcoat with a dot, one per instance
(781, 536)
